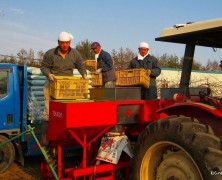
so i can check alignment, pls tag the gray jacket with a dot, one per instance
(55, 64)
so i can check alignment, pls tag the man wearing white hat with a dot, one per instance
(59, 61)
(63, 59)
(150, 63)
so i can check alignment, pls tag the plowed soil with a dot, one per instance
(30, 171)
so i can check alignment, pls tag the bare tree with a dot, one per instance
(129, 55)
(30, 55)
(122, 57)
(213, 65)
(163, 60)
(40, 55)
(22, 55)
(115, 58)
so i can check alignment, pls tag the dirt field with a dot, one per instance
(31, 170)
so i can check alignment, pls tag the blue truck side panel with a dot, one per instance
(14, 106)
(23, 98)
(10, 107)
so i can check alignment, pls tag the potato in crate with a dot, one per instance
(69, 87)
(133, 77)
(96, 79)
(91, 65)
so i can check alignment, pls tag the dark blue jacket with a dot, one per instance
(149, 62)
(106, 63)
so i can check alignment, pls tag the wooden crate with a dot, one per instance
(91, 65)
(69, 87)
(96, 79)
(133, 77)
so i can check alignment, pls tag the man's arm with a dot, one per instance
(155, 71)
(46, 64)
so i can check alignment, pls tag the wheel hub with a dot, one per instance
(166, 160)
(175, 166)
(7, 154)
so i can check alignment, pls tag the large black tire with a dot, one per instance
(7, 154)
(177, 148)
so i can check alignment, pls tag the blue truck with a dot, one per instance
(14, 116)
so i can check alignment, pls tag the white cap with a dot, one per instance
(65, 36)
(144, 45)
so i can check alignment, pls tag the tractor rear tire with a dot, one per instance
(7, 154)
(177, 147)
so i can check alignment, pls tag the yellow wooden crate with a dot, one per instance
(133, 77)
(91, 65)
(96, 79)
(69, 87)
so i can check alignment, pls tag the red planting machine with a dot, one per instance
(174, 137)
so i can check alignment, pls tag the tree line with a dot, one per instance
(121, 58)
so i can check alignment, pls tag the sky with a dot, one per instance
(35, 24)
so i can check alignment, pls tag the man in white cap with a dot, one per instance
(150, 63)
(59, 61)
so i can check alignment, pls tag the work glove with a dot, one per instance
(84, 76)
(149, 71)
(51, 77)
(98, 71)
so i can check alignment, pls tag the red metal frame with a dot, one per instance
(88, 171)
(84, 123)
(91, 116)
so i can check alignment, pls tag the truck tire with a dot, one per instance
(177, 147)
(7, 154)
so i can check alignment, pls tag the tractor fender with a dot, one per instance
(194, 105)
(206, 114)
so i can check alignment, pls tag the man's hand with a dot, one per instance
(98, 71)
(85, 76)
(51, 77)
(149, 71)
